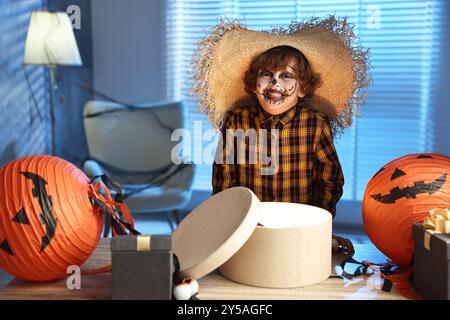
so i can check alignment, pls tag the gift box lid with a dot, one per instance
(439, 242)
(215, 230)
(220, 226)
(141, 243)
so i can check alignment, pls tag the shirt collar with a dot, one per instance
(284, 118)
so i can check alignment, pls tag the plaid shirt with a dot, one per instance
(308, 168)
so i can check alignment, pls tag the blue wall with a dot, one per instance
(129, 49)
(24, 125)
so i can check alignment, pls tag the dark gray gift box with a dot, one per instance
(142, 267)
(431, 267)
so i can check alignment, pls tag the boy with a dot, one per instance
(309, 171)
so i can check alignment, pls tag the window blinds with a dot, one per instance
(404, 39)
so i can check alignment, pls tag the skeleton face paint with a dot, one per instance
(277, 90)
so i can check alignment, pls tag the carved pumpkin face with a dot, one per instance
(400, 194)
(46, 219)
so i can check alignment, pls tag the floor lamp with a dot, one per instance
(51, 42)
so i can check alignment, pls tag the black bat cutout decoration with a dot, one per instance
(45, 201)
(411, 192)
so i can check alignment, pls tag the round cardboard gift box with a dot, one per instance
(265, 244)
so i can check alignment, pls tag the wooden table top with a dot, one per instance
(213, 286)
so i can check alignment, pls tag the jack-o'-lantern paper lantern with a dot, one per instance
(47, 217)
(400, 194)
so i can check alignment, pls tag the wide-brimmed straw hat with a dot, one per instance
(329, 44)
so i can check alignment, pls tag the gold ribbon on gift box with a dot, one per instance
(144, 243)
(437, 222)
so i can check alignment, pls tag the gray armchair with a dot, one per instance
(133, 146)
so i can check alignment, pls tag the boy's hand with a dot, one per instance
(343, 245)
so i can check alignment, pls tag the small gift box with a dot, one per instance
(142, 267)
(432, 255)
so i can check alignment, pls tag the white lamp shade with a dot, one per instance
(50, 40)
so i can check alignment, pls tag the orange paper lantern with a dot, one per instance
(47, 221)
(400, 194)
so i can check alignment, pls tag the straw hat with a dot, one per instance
(221, 59)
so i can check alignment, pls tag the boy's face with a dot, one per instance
(278, 90)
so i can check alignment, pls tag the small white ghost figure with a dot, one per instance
(186, 289)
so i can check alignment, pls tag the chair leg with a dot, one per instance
(107, 225)
(177, 216)
(169, 219)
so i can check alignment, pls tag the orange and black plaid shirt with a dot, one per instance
(308, 169)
